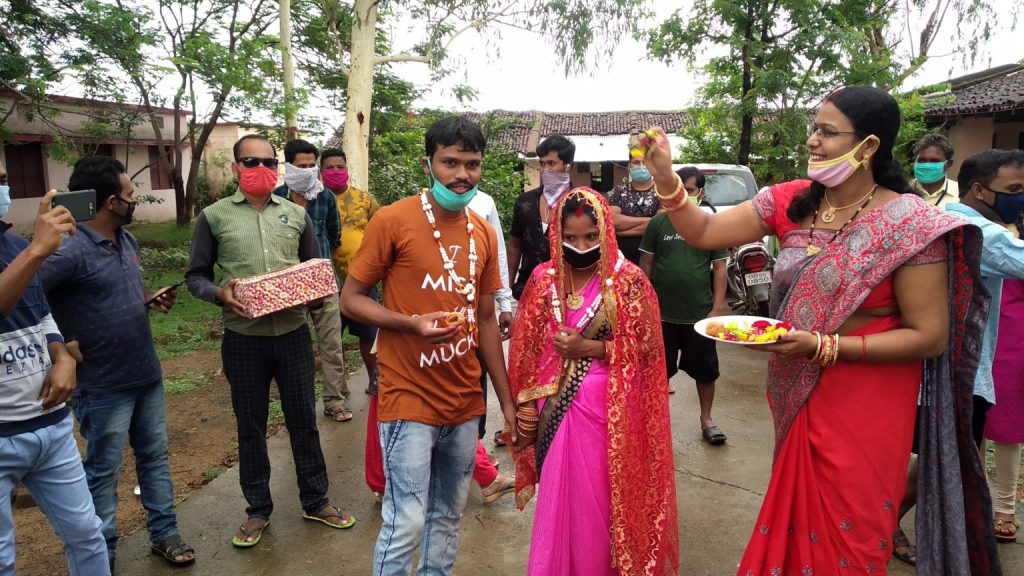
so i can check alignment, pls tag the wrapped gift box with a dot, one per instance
(287, 287)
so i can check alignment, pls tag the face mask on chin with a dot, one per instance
(445, 197)
(832, 173)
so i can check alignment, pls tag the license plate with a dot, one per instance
(756, 278)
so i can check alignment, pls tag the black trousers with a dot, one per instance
(250, 363)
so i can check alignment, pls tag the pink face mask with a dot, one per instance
(335, 179)
(832, 173)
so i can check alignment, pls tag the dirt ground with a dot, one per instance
(202, 443)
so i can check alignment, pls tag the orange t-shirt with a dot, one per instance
(437, 385)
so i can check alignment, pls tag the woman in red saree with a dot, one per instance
(587, 371)
(886, 295)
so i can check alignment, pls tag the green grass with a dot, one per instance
(189, 324)
(188, 382)
(211, 475)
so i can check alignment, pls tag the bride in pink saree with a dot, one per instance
(587, 371)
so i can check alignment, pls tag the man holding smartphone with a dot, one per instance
(94, 285)
(36, 377)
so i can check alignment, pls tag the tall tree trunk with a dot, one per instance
(356, 136)
(747, 101)
(288, 68)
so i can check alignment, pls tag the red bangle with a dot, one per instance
(863, 349)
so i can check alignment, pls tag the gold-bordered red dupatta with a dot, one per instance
(642, 477)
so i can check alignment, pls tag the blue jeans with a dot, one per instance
(427, 469)
(47, 462)
(109, 419)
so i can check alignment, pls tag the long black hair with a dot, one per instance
(872, 112)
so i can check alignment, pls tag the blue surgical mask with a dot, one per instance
(1008, 206)
(929, 172)
(5, 199)
(446, 198)
(640, 175)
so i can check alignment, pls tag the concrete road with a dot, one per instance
(719, 493)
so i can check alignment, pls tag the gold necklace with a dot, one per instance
(813, 250)
(573, 299)
(830, 214)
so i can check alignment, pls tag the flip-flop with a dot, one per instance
(712, 435)
(508, 484)
(244, 543)
(323, 518)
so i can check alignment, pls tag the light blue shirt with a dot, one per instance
(1002, 256)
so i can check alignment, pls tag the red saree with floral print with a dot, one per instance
(641, 479)
(844, 434)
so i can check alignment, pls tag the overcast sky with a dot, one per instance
(528, 76)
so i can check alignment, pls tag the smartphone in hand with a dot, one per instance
(81, 203)
(163, 291)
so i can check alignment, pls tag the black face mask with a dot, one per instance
(581, 260)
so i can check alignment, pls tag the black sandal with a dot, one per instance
(172, 547)
(712, 435)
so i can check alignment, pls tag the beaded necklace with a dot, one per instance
(466, 287)
(556, 304)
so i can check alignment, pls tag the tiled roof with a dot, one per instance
(608, 123)
(996, 90)
(515, 137)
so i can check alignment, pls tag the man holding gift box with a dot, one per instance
(302, 186)
(250, 233)
(439, 264)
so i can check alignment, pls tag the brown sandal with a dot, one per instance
(338, 413)
(900, 541)
(1006, 530)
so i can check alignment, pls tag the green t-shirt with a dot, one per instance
(682, 273)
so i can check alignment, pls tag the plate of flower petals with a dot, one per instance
(744, 330)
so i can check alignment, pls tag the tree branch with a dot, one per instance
(429, 56)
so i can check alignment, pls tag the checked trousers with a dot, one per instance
(250, 363)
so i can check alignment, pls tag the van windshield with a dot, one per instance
(727, 189)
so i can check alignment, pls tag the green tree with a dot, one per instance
(772, 60)
(200, 58)
(577, 29)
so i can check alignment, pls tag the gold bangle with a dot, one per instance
(674, 194)
(817, 350)
(835, 357)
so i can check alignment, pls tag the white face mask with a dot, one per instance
(305, 181)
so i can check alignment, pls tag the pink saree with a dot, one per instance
(573, 518)
(603, 456)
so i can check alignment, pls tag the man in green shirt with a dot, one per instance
(691, 286)
(254, 232)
